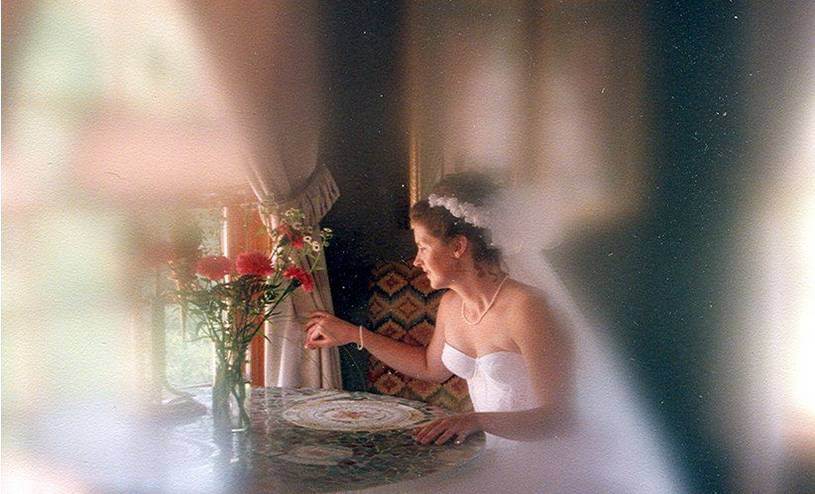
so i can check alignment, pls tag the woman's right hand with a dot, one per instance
(324, 330)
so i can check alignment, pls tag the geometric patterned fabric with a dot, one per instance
(403, 307)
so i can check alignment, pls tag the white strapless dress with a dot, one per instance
(591, 458)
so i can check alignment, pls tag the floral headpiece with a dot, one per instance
(469, 212)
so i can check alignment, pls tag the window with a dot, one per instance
(188, 360)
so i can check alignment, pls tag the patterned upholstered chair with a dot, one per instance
(403, 307)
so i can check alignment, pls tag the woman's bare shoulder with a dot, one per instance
(529, 311)
(525, 297)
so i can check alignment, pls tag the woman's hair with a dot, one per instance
(468, 187)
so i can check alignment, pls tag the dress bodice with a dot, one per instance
(498, 381)
(563, 463)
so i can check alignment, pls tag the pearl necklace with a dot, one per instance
(489, 306)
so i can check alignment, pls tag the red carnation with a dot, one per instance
(307, 281)
(254, 263)
(299, 274)
(293, 272)
(295, 239)
(214, 267)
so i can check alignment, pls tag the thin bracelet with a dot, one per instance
(361, 343)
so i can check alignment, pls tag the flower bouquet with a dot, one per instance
(229, 301)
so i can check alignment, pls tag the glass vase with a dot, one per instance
(230, 392)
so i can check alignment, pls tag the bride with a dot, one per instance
(557, 416)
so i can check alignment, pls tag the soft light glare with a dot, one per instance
(136, 115)
(22, 475)
(805, 378)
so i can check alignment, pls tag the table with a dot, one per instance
(276, 455)
(279, 453)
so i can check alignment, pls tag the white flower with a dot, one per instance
(469, 212)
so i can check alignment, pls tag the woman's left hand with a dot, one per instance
(441, 430)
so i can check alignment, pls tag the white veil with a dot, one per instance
(524, 223)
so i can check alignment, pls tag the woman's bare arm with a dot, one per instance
(325, 330)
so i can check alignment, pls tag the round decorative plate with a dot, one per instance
(355, 415)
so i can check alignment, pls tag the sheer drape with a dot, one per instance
(287, 362)
(267, 56)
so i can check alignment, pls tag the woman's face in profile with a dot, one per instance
(434, 256)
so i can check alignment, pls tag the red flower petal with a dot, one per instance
(254, 263)
(214, 267)
(301, 275)
(307, 281)
(292, 272)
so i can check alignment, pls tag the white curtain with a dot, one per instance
(288, 364)
(267, 56)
